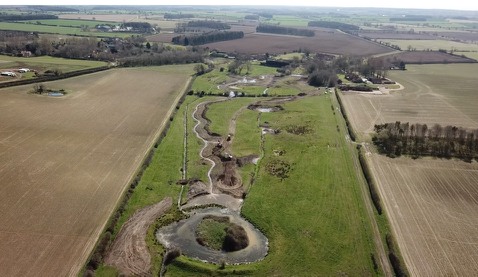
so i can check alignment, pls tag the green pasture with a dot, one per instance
(291, 56)
(57, 30)
(70, 22)
(258, 70)
(42, 63)
(247, 140)
(287, 20)
(432, 45)
(471, 55)
(208, 82)
(220, 113)
(315, 219)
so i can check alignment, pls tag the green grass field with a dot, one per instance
(57, 30)
(315, 219)
(70, 22)
(208, 82)
(42, 63)
(291, 56)
(471, 55)
(221, 113)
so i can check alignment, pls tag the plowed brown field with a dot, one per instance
(322, 42)
(432, 204)
(444, 94)
(64, 162)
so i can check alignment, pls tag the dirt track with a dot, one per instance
(129, 253)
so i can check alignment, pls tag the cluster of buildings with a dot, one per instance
(13, 74)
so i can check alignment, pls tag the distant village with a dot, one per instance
(136, 27)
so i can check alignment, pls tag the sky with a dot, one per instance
(427, 4)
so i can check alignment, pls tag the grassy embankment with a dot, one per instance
(396, 260)
(314, 217)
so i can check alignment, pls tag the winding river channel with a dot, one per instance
(182, 234)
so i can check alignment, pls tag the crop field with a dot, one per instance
(396, 35)
(324, 42)
(431, 203)
(434, 45)
(463, 35)
(444, 94)
(65, 161)
(428, 57)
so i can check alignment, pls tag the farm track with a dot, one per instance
(129, 252)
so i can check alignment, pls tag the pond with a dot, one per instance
(182, 234)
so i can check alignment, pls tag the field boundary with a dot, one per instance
(394, 256)
(105, 238)
(54, 78)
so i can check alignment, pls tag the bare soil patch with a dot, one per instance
(443, 94)
(298, 129)
(428, 57)
(278, 168)
(323, 42)
(265, 108)
(66, 161)
(396, 35)
(431, 204)
(129, 252)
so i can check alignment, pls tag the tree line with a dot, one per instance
(20, 17)
(178, 15)
(395, 139)
(163, 58)
(274, 29)
(207, 37)
(212, 24)
(333, 25)
(142, 27)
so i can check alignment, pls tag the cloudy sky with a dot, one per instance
(426, 4)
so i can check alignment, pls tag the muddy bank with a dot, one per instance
(129, 252)
(183, 235)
